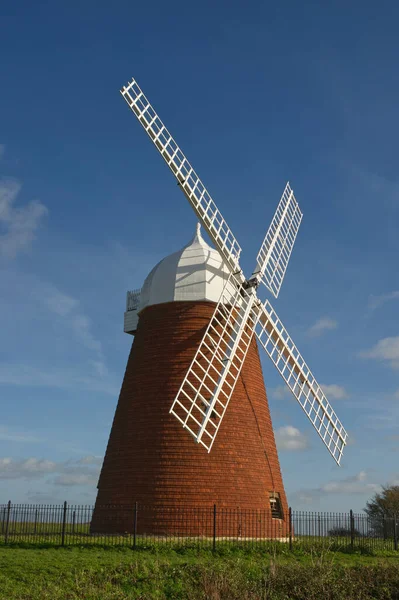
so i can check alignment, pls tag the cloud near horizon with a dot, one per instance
(84, 471)
(357, 484)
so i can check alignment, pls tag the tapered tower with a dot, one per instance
(150, 458)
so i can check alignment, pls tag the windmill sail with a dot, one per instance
(193, 188)
(286, 357)
(275, 252)
(206, 390)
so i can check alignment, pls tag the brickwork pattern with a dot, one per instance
(151, 459)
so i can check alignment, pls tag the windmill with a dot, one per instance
(212, 388)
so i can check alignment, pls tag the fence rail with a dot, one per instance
(203, 527)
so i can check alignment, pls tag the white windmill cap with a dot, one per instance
(194, 273)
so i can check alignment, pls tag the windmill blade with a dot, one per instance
(275, 251)
(286, 357)
(193, 188)
(204, 395)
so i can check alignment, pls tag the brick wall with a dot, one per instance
(151, 459)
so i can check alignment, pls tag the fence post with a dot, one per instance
(352, 525)
(7, 522)
(395, 532)
(290, 525)
(35, 523)
(63, 523)
(384, 527)
(318, 526)
(73, 522)
(135, 524)
(214, 529)
(3, 520)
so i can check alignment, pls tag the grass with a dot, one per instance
(95, 573)
(47, 539)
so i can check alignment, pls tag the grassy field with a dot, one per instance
(103, 574)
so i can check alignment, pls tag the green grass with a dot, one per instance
(21, 537)
(114, 574)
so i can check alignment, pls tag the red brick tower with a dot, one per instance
(150, 458)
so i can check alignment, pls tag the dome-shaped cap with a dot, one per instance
(196, 272)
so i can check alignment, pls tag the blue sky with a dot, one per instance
(255, 94)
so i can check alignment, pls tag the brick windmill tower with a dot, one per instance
(192, 427)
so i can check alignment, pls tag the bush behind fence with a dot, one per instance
(140, 526)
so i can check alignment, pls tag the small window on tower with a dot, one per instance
(275, 505)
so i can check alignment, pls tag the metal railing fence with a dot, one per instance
(213, 527)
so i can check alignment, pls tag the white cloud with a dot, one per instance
(356, 484)
(28, 468)
(18, 224)
(280, 392)
(290, 438)
(337, 392)
(321, 326)
(377, 301)
(386, 350)
(79, 472)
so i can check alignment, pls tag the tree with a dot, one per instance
(384, 504)
(382, 509)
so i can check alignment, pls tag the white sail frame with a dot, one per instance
(286, 357)
(193, 188)
(276, 248)
(205, 392)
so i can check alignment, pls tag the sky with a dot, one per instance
(255, 93)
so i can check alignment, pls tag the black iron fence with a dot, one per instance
(213, 527)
